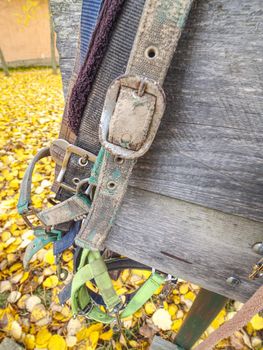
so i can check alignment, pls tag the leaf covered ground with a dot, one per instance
(31, 106)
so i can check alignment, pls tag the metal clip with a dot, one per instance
(62, 274)
(257, 270)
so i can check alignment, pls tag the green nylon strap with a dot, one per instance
(97, 270)
(92, 266)
(143, 294)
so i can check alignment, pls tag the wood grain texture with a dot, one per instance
(161, 344)
(209, 147)
(208, 150)
(200, 245)
(66, 17)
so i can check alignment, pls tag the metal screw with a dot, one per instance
(233, 281)
(258, 248)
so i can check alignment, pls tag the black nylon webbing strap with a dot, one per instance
(113, 65)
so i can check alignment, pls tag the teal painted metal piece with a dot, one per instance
(205, 308)
(93, 179)
(42, 239)
(22, 208)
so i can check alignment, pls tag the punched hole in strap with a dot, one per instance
(151, 52)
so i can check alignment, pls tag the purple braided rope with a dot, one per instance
(98, 45)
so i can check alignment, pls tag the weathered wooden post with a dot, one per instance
(4, 64)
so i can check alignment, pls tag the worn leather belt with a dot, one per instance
(132, 112)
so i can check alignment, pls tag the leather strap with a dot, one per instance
(241, 318)
(74, 208)
(133, 109)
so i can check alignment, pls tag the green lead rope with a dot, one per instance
(97, 270)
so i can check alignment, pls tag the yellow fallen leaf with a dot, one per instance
(220, 318)
(257, 322)
(149, 308)
(5, 236)
(16, 330)
(107, 335)
(71, 341)
(176, 299)
(158, 290)
(29, 341)
(25, 277)
(43, 337)
(51, 282)
(183, 289)
(49, 257)
(133, 344)
(39, 312)
(118, 346)
(85, 332)
(16, 267)
(57, 342)
(172, 309)
(67, 256)
(162, 319)
(190, 295)
(92, 341)
(177, 324)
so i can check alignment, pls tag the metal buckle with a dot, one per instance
(87, 309)
(72, 149)
(31, 212)
(141, 85)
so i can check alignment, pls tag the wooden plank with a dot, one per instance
(161, 344)
(209, 148)
(198, 244)
(204, 310)
(66, 15)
